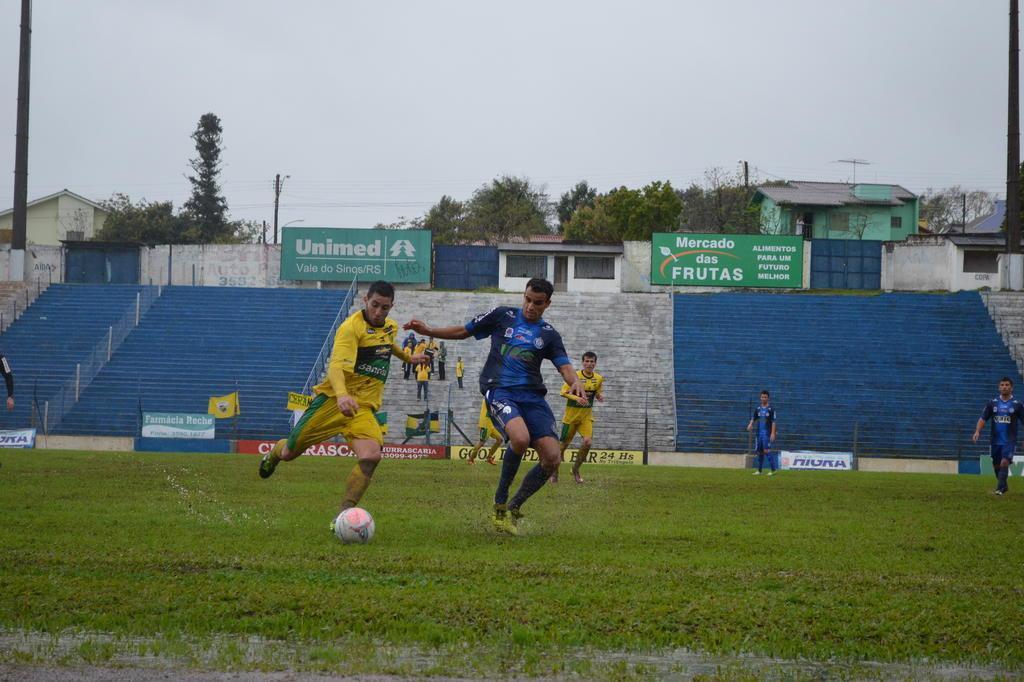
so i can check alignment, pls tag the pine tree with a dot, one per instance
(207, 208)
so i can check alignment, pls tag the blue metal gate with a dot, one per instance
(101, 264)
(465, 267)
(846, 264)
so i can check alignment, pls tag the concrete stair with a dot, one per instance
(631, 334)
(1007, 310)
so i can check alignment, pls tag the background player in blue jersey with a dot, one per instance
(1005, 412)
(764, 437)
(514, 390)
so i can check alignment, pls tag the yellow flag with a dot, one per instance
(224, 406)
(298, 401)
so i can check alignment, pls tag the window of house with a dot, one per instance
(840, 222)
(896, 222)
(523, 265)
(981, 261)
(594, 267)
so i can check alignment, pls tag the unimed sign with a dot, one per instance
(325, 254)
(720, 260)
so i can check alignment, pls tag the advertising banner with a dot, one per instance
(595, 456)
(21, 438)
(326, 254)
(726, 260)
(807, 459)
(174, 425)
(1016, 466)
(389, 451)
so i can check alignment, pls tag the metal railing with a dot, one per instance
(56, 408)
(316, 374)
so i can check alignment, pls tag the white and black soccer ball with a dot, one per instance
(354, 526)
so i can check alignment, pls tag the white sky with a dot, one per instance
(376, 109)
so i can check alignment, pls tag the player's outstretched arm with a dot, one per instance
(575, 387)
(453, 333)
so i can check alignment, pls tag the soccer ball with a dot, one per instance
(354, 525)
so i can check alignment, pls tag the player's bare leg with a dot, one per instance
(493, 451)
(475, 452)
(581, 457)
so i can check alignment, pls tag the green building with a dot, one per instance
(838, 210)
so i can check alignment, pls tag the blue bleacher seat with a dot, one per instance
(904, 374)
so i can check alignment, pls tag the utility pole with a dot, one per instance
(18, 231)
(1013, 139)
(746, 175)
(277, 201)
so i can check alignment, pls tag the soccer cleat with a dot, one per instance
(553, 478)
(757, 473)
(576, 477)
(471, 459)
(771, 473)
(503, 522)
(268, 464)
(999, 492)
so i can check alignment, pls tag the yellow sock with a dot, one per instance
(355, 485)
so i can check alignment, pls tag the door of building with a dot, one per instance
(561, 273)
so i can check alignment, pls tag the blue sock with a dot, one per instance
(760, 462)
(771, 461)
(533, 481)
(509, 468)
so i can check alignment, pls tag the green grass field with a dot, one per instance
(192, 559)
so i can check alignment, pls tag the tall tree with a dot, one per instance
(207, 208)
(146, 222)
(507, 207)
(447, 221)
(944, 208)
(580, 195)
(626, 214)
(721, 203)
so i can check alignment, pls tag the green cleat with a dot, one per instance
(503, 520)
(271, 459)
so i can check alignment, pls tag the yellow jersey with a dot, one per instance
(361, 360)
(593, 385)
(422, 372)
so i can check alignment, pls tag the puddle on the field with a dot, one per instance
(50, 652)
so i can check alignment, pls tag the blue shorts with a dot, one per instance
(505, 404)
(1001, 452)
(762, 443)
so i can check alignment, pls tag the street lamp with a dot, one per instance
(291, 222)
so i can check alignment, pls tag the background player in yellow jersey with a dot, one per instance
(487, 430)
(579, 416)
(348, 398)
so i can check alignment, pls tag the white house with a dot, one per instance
(569, 267)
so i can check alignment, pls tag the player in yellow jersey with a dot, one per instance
(347, 400)
(487, 430)
(579, 417)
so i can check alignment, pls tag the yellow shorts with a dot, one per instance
(583, 426)
(322, 420)
(488, 430)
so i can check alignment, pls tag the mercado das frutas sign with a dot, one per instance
(325, 254)
(726, 260)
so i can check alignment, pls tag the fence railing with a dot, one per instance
(18, 302)
(320, 364)
(56, 408)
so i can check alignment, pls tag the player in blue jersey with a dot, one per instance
(764, 438)
(514, 390)
(1005, 412)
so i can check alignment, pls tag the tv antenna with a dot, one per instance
(854, 163)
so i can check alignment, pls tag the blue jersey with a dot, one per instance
(764, 417)
(517, 349)
(1005, 414)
